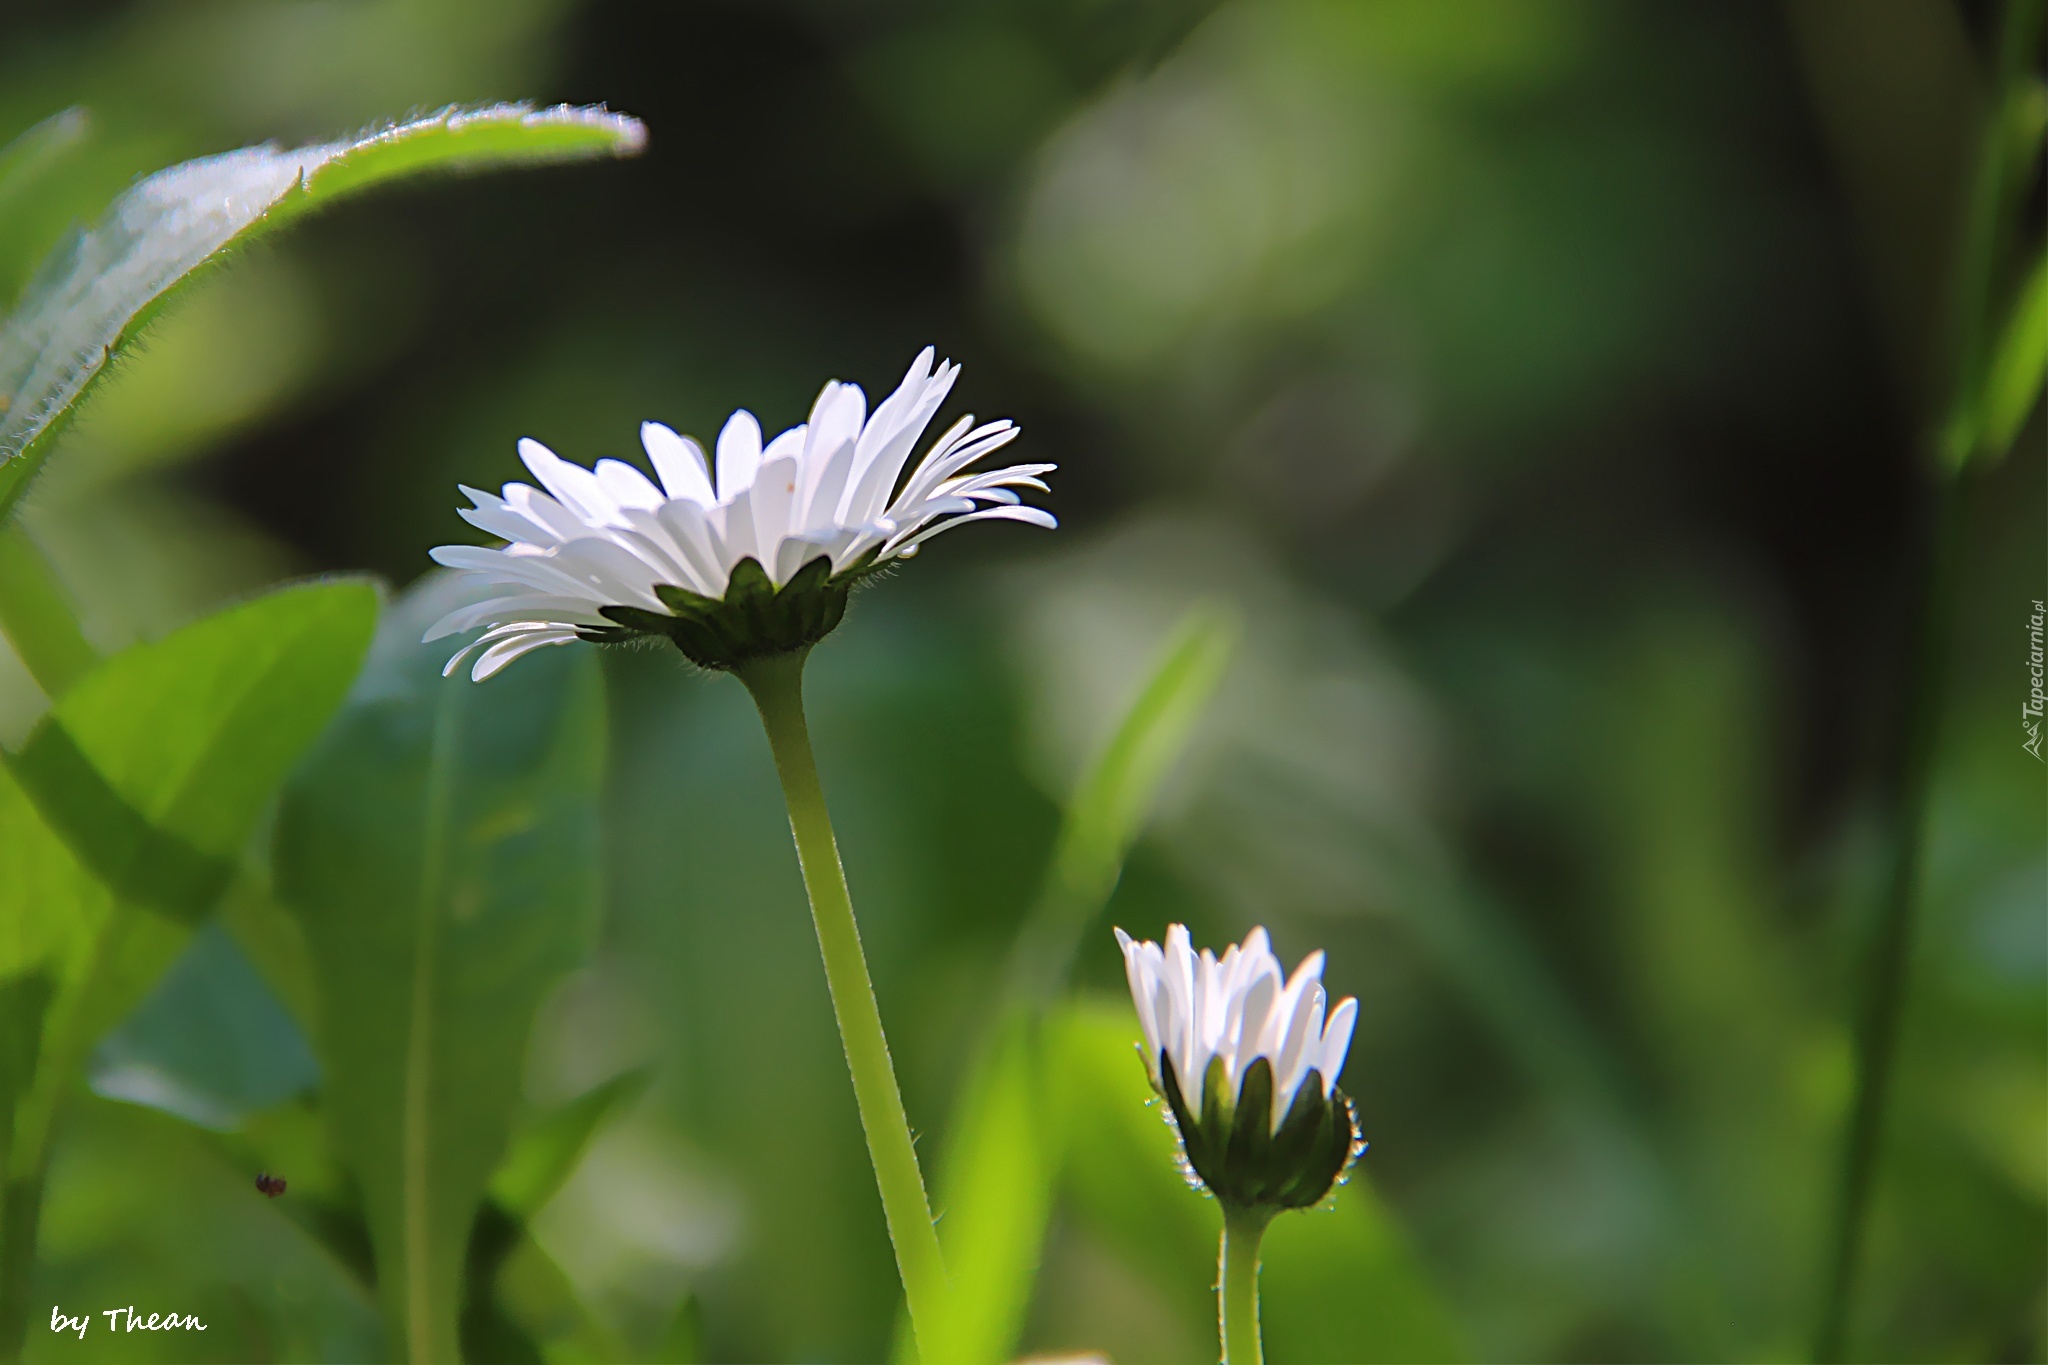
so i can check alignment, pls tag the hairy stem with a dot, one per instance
(776, 683)
(1237, 1288)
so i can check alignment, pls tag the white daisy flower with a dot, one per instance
(1195, 1008)
(750, 553)
(1248, 1062)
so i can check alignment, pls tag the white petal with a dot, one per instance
(869, 495)
(504, 652)
(953, 455)
(525, 606)
(1032, 516)
(501, 521)
(789, 445)
(614, 574)
(543, 511)
(575, 487)
(792, 555)
(732, 530)
(826, 481)
(1336, 1042)
(773, 499)
(886, 443)
(680, 462)
(688, 526)
(627, 486)
(1142, 982)
(1290, 1064)
(496, 566)
(835, 419)
(739, 453)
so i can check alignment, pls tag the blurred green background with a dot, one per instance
(1544, 379)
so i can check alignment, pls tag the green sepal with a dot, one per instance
(683, 602)
(752, 620)
(637, 619)
(1236, 1153)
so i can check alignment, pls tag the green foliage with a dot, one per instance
(122, 815)
(2019, 364)
(36, 619)
(1002, 1161)
(97, 292)
(440, 851)
(1116, 794)
(26, 159)
(210, 1044)
(124, 810)
(1006, 1142)
(545, 1151)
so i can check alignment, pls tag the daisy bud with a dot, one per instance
(1248, 1065)
(748, 553)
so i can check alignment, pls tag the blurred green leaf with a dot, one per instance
(273, 942)
(532, 1291)
(1004, 1146)
(210, 1044)
(1116, 794)
(440, 850)
(139, 790)
(95, 294)
(1001, 1162)
(25, 160)
(118, 812)
(544, 1153)
(36, 617)
(2012, 385)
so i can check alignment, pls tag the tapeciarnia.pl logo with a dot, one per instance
(2030, 710)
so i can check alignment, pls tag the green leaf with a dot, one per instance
(37, 619)
(25, 160)
(1004, 1146)
(1001, 1163)
(124, 810)
(98, 291)
(2013, 382)
(440, 850)
(1117, 792)
(210, 1045)
(545, 1151)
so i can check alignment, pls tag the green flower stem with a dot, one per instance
(776, 683)
(1884, 999)
(1237, 1287)
(1988, 221)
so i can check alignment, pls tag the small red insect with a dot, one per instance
(271, 1185)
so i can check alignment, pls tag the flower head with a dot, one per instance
(751, 553)
(1248, 1064)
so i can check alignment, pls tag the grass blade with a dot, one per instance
(440, 851)
(1004, 1151)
